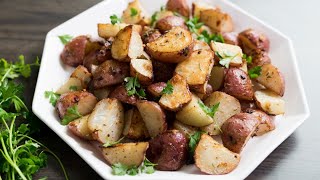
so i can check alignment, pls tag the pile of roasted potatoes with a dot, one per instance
(152, 82)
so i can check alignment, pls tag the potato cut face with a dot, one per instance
(80, 128)
(106, 122)
(134, 125)
(225, 50)
(217, 77)
(71, 85)
(217, 20)
(197, 7)
(129, 154)
(212, 158)
(200, 45)
(140, 16)
(110, 30)
(185, 129)
(103, 92)
(142, 68)
(272, 79)
(269, 102)
(179, 96)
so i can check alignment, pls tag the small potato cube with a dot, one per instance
(110, 30)
(142, 69)
(269, 102)
(217, 20)
(228, 50)
(135, 14)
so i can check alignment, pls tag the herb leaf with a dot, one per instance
(73, 88)
(65, 38)
(168, 89)
(225, 58)
(206, 37)
(209, 111)
(133, 12)
(247, 58)
(109, 144)
(155, 16)
(114, 19)
(194, 140)
(133, 87)
(194, 25)
(71, 114)
(254, 72)
(52, 96)
(119, 169)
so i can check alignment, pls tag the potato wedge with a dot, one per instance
(127, 44)
(212, 158)
(153, 117)
(251, 40)
(197, 7)
(266, 122)
(193, 115)
(179, 96)
(106, 122)
(80, 128)
(74, 51)
(217, 20)
(173, 47)
(140, 17)
(269, 102)
(121, 94)
(179, 6)
(134, 127)
(228, 106)
(73, 84)
(272, 78)
(103, 92)
(217, 77)
(225, 50)
(259, 58)
(110, 30)
(128, 154)
(156, 89)
(185, 129)
(142, 69)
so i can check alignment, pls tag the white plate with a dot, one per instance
(53, 74)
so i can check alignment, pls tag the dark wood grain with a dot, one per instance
(23, 27)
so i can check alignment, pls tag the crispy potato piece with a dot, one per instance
(272, 78)
(110, 30)
(259, 58)
(238, 84)
(230, 50)
(103, 92)
(139, 18)
(150, 35)
(173, 47)
(179, 6)
(73, 84)
(185, 129)
(217, 77)
(266, 122)
(212, 158)
(269, 102)
(121, 94)
(156, 89)
(74, 51)
(162, 71)
(179, 97)
(167, 23)
(134, 127)
(217, 20)
(127, 44)
(106, 122)
(84, 101)
(197, 7)
(200, 45)
(142, 69)
(230, 38)
(237, 130)
(228, 106)
(251, 40)
(82, 74)
(153, 117)
(207, 92)
(79, 127)
(128, 154)
(193, 115)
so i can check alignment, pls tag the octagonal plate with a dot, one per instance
(53, 74)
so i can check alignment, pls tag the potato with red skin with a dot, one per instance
(259, 58)
(150, 35)
(74, 51)
(167, 23)
(251, 40)
(79, 127)
(237, 130)
(209, 90)
(156, 89)
(168, 150)
(109, 73)
(230, 38)
(179, 6)
(266, 122)
(238, 84)
(121, 94)
(162, 72)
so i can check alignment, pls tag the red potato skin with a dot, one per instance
(121, 94)
(179, 6)
(150, 36)
(259, 58)
(167, 23)
(265, 120)
(156, 89)
(168, 150)
(162, 71)
(247, 105)
(230, 38)
(252, 40)
(238, 84)
(75, 51)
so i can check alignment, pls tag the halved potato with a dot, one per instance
(228, 106)
(173, 47)
(80, 128)
(128, 154)
(110, 30)
(251, 40)
(139, 17)
(153, 117)
(179, 96)
(197, 7)
(212, 158)
(106, 122)
(228, 50)
(272, 79)
(193, 115)
(142, 69)
(266, 122)
(217, 20)
(185, 129)
(179, 6)
(217, 77)
(134, 127)
(127, 44)
(269, 102)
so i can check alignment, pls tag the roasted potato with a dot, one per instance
(179, 6)
(244, 67)
(228, 106)
(259, 58)
(164, 13)
(173, 47)
(103, 92)
(197, 7)
(212, 158)
(162, 71)
(106, 122)
(156, 89)
(193, 115)
(150, 35)
(168, 150)
(109, 73)
(127, 44)
(228, 50)
(134, 127)
(79, 127)
(217, 20)
(269, 102)
(139, 18)
(167, 23)
(230, 38)
(110, 30)
(121, 94)
(272, 78)
(207, 92)
(216, 79)
(266, 122)
(238, 84)
(200, 45)
(185, 129)
(251, 40)
(128, 154)
(247, 105)
(84, 101)
(179, 96)
(73, 84)
(142, 69)
(153, 117)
(74, 51)
(237, 130)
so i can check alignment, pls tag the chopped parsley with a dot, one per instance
(133, 12)
(209, 111)
(71, 114)
(194, 140)
(247, 58)
(133, 87)
(254, 72)
(225, 58)
(168, 89)
(194, 25)
(121, 169)
(73, 88)
(109, 144)
(115, 19)
(52, 96)
(65, 38)
(206, 37)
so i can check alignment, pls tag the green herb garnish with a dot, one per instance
(168, 89)
(206, 37)
(193, 142)
(109, 144)
(133, 87)
(52, 96)
(133, 12)
(120, 169)
(225, 58)
(73, 88)
(209, 111)
(194, 25)
(71, 114)
(114, 19)
(254, 72)
(65, 38)
(247, 58)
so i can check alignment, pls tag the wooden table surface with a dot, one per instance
(24, 24)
